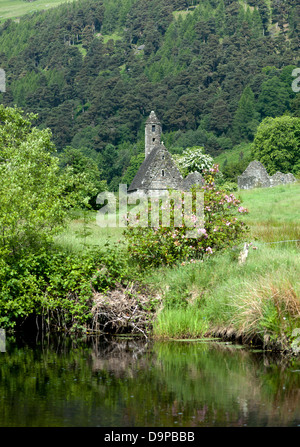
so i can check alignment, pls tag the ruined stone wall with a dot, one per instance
(256, 176)
(194, 178)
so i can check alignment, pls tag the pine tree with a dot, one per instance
(274, 98)
(246, 117)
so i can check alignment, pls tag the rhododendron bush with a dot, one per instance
(187, 238)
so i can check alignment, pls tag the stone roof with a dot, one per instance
(140, 175)
(148, 177)
(152, 119)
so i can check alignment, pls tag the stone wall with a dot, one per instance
(194, 178)
(256, 176)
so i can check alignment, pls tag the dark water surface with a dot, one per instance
(130, 383)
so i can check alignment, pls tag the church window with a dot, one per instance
(153, 128)
(163, 172)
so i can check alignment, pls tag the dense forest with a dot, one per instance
(93, 70)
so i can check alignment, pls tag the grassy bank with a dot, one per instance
(256, 302)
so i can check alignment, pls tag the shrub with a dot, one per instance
(277, 144)
(194, 159)
(153, 246)
(56, 286)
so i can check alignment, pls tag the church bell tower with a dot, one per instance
(152, 133)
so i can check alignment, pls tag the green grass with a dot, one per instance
(258, 300)
(176, 323)
(274, 213)
(219, 297)
(83, 231)
(113, 36)
(233, 155)
(13, 9)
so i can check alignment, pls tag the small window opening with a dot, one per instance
(153, 128)
(162, 157)
(153, 139)
(163, 172)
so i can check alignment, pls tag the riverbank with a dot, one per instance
(256, 302)
(88, 283)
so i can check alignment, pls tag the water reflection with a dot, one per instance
(128, 382)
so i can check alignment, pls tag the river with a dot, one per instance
(128, 382)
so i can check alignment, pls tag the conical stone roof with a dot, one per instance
(152, 119)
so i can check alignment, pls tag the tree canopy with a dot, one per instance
(212, 70)
(277, 144)
(35, 193)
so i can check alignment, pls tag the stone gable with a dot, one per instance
(256, 176)
(157, 173)
(194, 178)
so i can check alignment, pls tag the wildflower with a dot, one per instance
(209, 250)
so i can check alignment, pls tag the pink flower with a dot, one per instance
(242, 210)
(209, 250)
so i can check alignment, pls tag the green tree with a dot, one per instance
(246, 117)
(135, 163)
(277, 144)
(34, 197)
(274, 98)
(87, 167)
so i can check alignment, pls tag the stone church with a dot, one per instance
(158, 172)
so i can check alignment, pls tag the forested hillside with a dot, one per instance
(211, 69)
